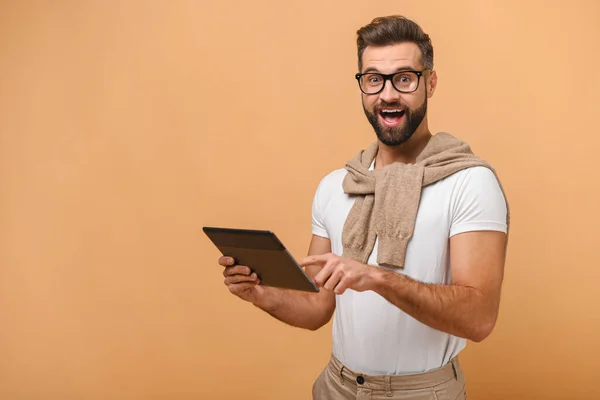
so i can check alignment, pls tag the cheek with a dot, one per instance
(415, 101)
(369, 101)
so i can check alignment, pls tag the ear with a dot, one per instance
(431, 83)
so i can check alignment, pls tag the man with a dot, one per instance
(408, 242)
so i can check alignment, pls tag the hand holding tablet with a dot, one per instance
(259, 258)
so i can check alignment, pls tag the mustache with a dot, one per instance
(395, 104)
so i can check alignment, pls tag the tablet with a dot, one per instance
(264, 253)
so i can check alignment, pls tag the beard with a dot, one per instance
(400, 134)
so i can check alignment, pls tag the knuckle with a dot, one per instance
(238, 269)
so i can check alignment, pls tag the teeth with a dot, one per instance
(391, 111)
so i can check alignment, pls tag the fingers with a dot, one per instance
(232, 269)
(326, 272)
(237, 270)
(240, 279)
(237, 279)
(333, 276)
(317, 259)
(333, 280)
(341, 287)
(226, 261)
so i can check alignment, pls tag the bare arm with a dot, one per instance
(301, 309)
(466, 308)
(469, 306)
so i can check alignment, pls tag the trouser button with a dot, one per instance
(360, 380)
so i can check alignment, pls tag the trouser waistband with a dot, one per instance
(391, 383)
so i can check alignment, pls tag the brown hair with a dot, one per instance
(384, 31)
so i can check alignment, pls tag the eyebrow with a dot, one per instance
(399, 69)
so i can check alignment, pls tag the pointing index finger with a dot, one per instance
(318, 259)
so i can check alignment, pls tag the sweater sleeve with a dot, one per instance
(478, 203)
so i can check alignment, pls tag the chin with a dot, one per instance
(395, 139)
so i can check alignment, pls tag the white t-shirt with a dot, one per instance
(370, 334)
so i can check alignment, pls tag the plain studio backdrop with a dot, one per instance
(126, 126)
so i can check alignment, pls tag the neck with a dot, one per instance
(406, 152)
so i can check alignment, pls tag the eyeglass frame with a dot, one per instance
(389, 77)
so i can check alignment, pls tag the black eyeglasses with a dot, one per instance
(403, 81)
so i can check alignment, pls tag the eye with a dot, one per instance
(373, 79)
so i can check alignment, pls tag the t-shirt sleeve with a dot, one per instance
(478, 204)
(318, 205)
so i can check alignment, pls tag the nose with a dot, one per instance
(389, 94)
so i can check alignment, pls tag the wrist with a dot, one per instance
(265, 300)
(377, 278)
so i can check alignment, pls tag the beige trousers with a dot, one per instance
(338, 382)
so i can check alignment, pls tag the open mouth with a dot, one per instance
(391, 116)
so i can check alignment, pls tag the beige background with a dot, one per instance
(127, 126)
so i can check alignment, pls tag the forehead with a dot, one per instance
(390, 58)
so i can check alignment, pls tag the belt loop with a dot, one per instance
(455, 368)
(388, 386)
(342, 375)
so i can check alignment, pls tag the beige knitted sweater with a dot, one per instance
(387, 199)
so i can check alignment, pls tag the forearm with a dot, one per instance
(299, 309)
(459, 310)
